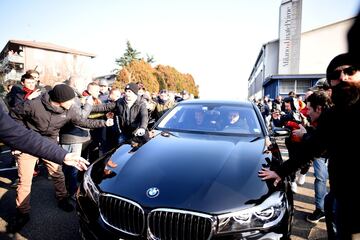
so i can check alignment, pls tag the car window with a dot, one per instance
(231, 119)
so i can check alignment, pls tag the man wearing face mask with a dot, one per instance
(131, 114)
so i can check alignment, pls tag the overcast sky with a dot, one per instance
(216, 41)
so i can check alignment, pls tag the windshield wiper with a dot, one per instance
(255, 139)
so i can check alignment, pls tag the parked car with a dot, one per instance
(196, 179)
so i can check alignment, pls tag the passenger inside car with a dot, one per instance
(236, 123)
(197, 120)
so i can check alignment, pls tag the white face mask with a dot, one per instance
(67, 105)
(130, 96)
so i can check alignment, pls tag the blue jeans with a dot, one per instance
(70, 172)
(321, 175)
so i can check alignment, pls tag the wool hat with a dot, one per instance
(103, 82)
(320, 84)
(340, 60)
(61, 93)
(133, 87)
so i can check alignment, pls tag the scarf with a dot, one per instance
(27, 92)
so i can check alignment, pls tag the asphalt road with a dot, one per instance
(49, 222)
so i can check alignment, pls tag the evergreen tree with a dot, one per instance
(150, 59)
(129, 55)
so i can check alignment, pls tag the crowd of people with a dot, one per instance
(86, 123)
(34, 119)
(321, 133)
(332, 109)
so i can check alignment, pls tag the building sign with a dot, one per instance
(289, 36)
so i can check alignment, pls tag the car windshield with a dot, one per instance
(233, 119)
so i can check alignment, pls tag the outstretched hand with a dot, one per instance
(266, 174)
(34, 94)
(299, 132)
(72, 159)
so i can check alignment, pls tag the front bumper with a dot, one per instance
(92, 227)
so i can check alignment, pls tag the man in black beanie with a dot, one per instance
(335, 127)
(133, 87)
(45, 115)
(343, 67)
(61, 93)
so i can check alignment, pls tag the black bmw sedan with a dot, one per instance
(196, 179)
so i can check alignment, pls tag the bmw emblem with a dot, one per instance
(152, 192)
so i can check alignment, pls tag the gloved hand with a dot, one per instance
(109, 122)
(139, 132)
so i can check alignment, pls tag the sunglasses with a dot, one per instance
(350, 71)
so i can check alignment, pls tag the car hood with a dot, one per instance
(205, 173)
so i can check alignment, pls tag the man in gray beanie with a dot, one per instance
(45, 115)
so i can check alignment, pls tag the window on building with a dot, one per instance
(286, 85)
(300, 86)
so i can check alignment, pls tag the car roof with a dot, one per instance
(224, 102)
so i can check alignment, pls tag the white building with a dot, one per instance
(317, 48)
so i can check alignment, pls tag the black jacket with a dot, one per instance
(3, 105)
(41, 116)
(303, 155)
(337, 131)
(15, 96)
(18, 137)
(128, 119)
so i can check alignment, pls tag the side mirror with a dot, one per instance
(283, 132)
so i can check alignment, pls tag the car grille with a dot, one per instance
(122, 214)
(169, 224)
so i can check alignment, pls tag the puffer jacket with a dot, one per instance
(18, 137)
(70, 134)
(42, 117)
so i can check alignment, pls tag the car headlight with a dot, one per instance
(265, 215)
(89, 186)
